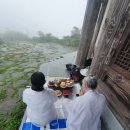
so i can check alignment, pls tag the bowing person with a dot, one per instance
(85, 111)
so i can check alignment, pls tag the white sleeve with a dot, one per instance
(77, 116)
(52, 95)
(73, 116)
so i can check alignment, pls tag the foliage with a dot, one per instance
(45, 38)
(72, 40)
(3, 94)
(14, 119)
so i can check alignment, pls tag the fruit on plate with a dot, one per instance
(72, 81)
(62, 84)
(68, 84)
(58, 93)
(66, 92)
(57, 84)
(51, 83)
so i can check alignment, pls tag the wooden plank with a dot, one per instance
(119, 84)
(91, 15)
(121, 94)
(97, 28)
(118, 108)
(120, 71)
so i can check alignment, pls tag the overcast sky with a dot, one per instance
(29, 16)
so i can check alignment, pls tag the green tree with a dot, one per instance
(41, 36)
(48, 37)
(75, 31)
(73, 39)
(75, 36)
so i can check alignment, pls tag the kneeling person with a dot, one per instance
(40, 101)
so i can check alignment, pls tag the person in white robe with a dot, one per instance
(40, 102)
(84, 112)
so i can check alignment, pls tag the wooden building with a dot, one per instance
(105, 37)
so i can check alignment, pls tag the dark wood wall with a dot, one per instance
(114, 78)
(113, 73)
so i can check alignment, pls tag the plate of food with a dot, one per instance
(63, 84)
(58, 93)
(57, 84)
(51, 83)
(67, 92)
(69, 83)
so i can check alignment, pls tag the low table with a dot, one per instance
(61, 112)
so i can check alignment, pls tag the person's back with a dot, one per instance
(40, 104)
(86, 111)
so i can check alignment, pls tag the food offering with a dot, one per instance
(51, 84)
(69, 83)
(58, 93)
(57, 84)
(61, 86)
(67, 92)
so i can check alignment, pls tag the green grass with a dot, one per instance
(15, 92)
(14, 120)
(3, 95)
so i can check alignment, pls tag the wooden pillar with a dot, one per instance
(97, 28)
(91, 15)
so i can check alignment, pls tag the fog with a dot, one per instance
(50, 16)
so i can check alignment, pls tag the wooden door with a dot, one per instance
(115, 81)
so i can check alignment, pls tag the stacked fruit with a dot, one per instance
(62, 86)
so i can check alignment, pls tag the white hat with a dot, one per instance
(84, 72)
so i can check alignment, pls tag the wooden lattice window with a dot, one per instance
(123, 59)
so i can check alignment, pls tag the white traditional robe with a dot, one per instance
(85, 111)
(40, 106)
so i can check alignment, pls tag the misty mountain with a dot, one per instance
(14, 36)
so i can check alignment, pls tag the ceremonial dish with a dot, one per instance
(67, 92)
(51, 83)
(69, 83)
(58, 93)
(63, 84)
(57, 84)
